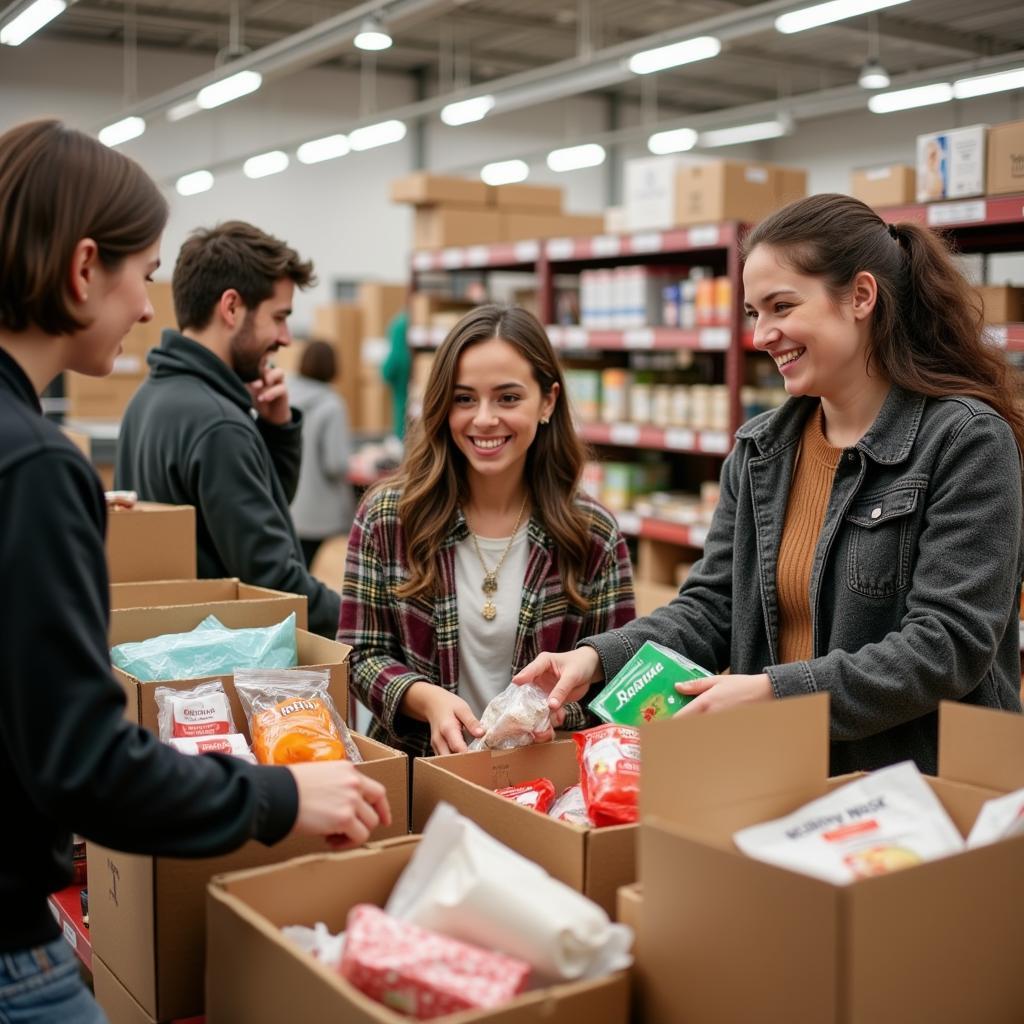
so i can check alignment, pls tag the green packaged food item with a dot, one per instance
(644, 689)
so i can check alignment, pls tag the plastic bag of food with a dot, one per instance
(208, 650)
(317, 941)
(202, 711)
(885, 821)
(233, 743)
(422, 973)
(1000, 818)
(292, 717)
(512, 717)
(609, 760)
(571, 807)
(538, 794)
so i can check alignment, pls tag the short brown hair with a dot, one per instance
(318, 361)
(58, 186)
(232, 255)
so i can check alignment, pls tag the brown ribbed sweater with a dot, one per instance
(805, 512)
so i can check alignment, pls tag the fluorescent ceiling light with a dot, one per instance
(374, 135)
(327, 148)
(265, 164)
(679, 140)
(122, 131)
(505, 172)
(905, 99)
(467, 111)
(372, 36)
(575, 158)
(746, 133)
(30, 21)
(824, 14)
(982, 85)
(183, 110)
(194, 183)
(873, 76)
(686, 52)
(228, 89)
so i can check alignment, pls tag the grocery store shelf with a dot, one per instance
(427, 337)
(700, 339)
(668, 439)
(982, 212)
(471, 257)
(1008, 336)
(66, 907)
(634, 525)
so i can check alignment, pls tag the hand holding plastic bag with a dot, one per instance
(512, 718)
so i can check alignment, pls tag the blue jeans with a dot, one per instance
(42, 985)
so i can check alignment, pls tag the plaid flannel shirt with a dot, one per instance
(399, 641)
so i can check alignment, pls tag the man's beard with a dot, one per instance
(245, 356)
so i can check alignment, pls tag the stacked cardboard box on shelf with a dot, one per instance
(884, 185)
(1005, 159)
(1001, 304)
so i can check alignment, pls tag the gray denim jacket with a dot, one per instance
(915, 583)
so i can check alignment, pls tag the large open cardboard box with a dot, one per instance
(254, 974)
(594, 861)
(724, 937)
(151, 542)
(147, 913)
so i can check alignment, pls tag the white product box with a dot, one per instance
(951, 163)
(649, 196)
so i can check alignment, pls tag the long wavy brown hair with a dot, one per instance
(927, 325)
(432, 478)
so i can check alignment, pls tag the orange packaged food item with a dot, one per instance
(609, 760)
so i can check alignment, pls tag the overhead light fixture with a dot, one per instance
(126, 129)
(467, 111)
(194, 183)
(372, 35)
(906, 99)
(689, 50)
(679, 140)
(756, 132)
(228, 89)
(183, 110)
(575, 158)
(327, 148)
(374, 135)
(825, 14)
(505, 172)
(982, 85)
(873, 76)
(30, 21)
(265, 164)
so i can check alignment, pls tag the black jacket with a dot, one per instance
(68, 759)
(191, 437)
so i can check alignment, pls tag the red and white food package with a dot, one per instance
(609, 760)
(186, 714)
(538, 794)
(234, 743)
(421, 973)
(1000, 818)
(571, 807)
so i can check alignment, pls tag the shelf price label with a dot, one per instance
(624, 433)
(706, 234)
(575, 337)
(648, 241)
(423, 261)
(957, 213)
(560, 249)
(714, 339)
(995, 335)
(638, 337)
(70, 935)
(698, 535)
(629, 522)
(452, 259)
(478, 256)
(606, 245)
(680, 439)
(527, 252)
(715, 441)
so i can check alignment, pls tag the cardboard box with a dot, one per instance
(255, 975)
(423, 189)
(83, 442)
(734, 190)
(649, 192)
(656, 561)
(1005, 159)
(132, 602)
(627, 910)
(103, 398)
(651, 596)
(142, 337)
(593, 861)
(373, 413)
(527, 198)
(151, 542)
(379, 303)
(437, 227)
(115, 1000)
(940, 942)
(888, 185)
(425, 306)
(1001, 304)
(951, 163)
(519, 227)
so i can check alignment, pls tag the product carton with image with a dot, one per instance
(644, 689)
(951, 163)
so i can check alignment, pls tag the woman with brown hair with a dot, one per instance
(868, 540)
(483, 550)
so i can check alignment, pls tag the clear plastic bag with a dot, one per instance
(186, 714)
(571, 807)
(512, 717)
(292, 717)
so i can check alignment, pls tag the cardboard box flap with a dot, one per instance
(981, 746)
(688, 765)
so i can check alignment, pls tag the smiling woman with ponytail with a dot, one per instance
(868, 539)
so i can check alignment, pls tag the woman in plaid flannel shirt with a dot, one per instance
(444, 596)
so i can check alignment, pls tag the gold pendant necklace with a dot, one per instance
(490, 583)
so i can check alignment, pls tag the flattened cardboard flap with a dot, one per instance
(981, 746)
(691, 763)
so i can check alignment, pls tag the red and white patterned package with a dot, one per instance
(571, 807)
(421, 973)
(539, 794)
(186, 714)
(234, 743)
(609, 760)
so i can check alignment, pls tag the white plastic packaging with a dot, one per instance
(1000, 818)
(318, 942)
(188, 714)
(234, 743)
(571, 807)
(512, 717)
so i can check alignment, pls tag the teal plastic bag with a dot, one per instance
(211, 649)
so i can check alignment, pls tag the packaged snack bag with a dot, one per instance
(292, 717)
(538, 794)
(885, 821)
(609, 760)
(1000, 818)
(234, 743)
(645, 687)
(571, 807)
(202, 711)
(512, 717)
(421, 973)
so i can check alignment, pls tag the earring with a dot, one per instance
(544, 421)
